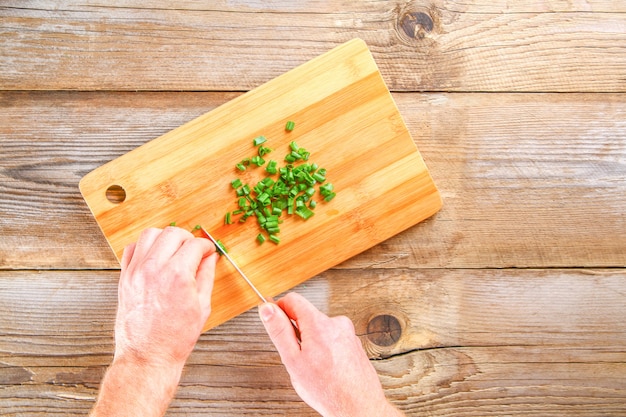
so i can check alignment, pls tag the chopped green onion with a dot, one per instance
(290, 192)
(326, 189)
(289, 126)
(257, 160)
(318, 177)
(173, 224)
(198, 227)
(259, 140)
(271, 167)
(304, 212)
(264, 151)
(275, 239)
(221, 249)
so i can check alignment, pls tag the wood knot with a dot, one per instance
(384, 330)
(416, 24)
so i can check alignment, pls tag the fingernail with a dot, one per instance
(266, 311)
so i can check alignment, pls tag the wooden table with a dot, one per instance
(510, 301)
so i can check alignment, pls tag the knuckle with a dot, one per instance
(344, 323)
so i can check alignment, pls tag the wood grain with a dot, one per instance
(425, 46)
(505, 341)
(528, 180)
(496, 305)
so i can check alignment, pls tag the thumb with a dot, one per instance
(280, 330)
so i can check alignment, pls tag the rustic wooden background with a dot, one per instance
(510, 301)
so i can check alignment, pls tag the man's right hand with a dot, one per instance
(328, 367)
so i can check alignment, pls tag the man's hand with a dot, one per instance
(164, 299)
(328, 367)
(164, 295)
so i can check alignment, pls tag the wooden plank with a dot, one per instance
(442, 45)
(528, 180)
(530, 342)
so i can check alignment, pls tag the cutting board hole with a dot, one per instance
(116, 194)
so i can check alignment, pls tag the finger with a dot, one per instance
(298, 308)
(280, 330)
(204, 283)
(127, 255)
(191, 253)
(168, 243)
(142, 246)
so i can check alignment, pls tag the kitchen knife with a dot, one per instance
(217, 246)
(234, 264)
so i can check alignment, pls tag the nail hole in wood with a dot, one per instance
(116, 194)
(384, 330)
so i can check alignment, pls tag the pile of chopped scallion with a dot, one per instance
(289, 189)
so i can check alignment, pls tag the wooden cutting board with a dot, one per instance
(344, 116)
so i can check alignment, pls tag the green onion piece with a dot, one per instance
(227, 218)
(257, 160)
(326, 189)
(264, 151)
(275, 239)
(221, 249)
(290, 125)
(319, 177)
(312, 204)
(272, 230)
(271, 223)
(198, 227)
(173, 224)
(236, 183)
(295, 155)
(271, 167)
(329, 197)
(304, 212)
(259, 140)
(260, 238)
(241, 167)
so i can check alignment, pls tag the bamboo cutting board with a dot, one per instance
(344, 116)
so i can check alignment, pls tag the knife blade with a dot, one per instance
(296, 329)
(234, 264)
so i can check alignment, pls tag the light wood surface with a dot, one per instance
(509, 301)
